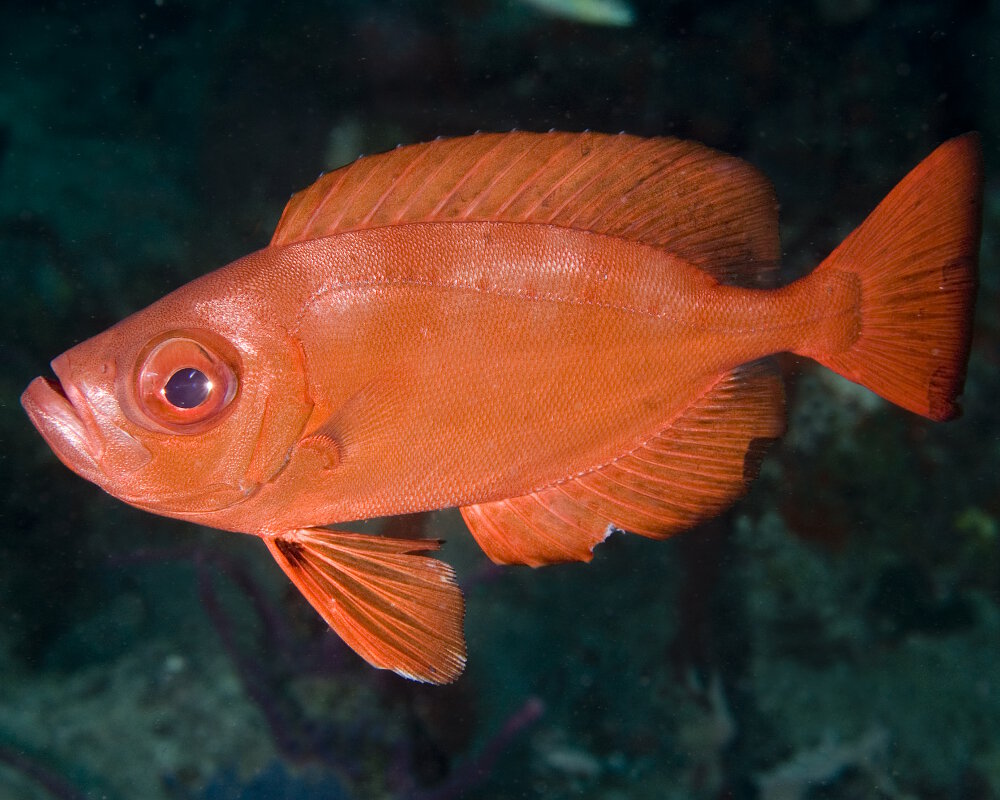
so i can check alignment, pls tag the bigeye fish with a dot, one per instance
(616, 13)
(561, 334)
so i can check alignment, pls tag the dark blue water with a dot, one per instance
(834, 636)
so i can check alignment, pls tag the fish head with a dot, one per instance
(186, 408)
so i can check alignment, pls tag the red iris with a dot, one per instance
(184, 385)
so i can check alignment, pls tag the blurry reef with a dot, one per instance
(835, 636)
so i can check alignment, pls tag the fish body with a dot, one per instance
(616, 13)
(561, 334)
(429, 362)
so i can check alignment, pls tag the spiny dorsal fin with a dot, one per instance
(398, 610)
(689, 471)
(711, 209)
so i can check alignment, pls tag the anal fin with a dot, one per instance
(397, 609)
(691, 470)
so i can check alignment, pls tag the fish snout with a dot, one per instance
(80, 422)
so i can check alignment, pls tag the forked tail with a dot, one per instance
(914, 259)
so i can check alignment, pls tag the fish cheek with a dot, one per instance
(281, 423)
(197, 465)
(275, 408)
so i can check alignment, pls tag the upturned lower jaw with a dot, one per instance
(56, 418)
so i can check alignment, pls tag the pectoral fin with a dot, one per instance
(396, 609)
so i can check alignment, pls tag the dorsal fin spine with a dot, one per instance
(541, 169)
(464, 179)
(388, 189)
(608, 168)
(319, 206)
(597, 214)
(401, 211)
(498, 176)
(346, 202)
(563, 179)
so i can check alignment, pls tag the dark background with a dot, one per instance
(835, 636)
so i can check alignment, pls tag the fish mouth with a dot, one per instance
(58, 410)
(80, 438)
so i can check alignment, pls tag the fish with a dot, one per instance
(563, 335)
(614, 13)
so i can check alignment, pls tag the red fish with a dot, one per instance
(561, 334)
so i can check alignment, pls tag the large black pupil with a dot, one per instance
(187, 388)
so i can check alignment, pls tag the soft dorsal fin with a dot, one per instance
(711, 209)
(397, 609)
(691, 470)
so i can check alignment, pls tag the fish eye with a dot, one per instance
(187, 388)
(185, 385)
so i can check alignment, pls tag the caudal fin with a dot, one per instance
(915, 261)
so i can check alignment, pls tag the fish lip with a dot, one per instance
(56, 409)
